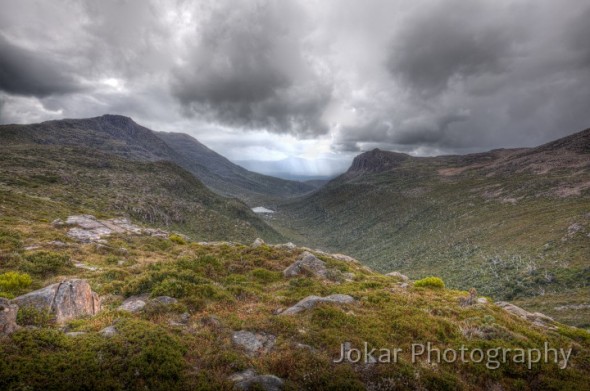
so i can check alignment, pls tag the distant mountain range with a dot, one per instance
(514, 223)
(121, 136)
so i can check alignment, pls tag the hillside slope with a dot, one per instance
(227, 178)
(115, 134)
(515, 224)
(43, 182)
(229, 317)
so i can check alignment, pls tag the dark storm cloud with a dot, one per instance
(26, 72)
(453, 40)
(426, 76)
(247, 69)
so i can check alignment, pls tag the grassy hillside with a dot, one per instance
(224, 288)
(515, 224)
(45, 182)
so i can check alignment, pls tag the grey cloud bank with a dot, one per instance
(306, 79)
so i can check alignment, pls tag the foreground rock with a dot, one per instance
(134, 304)
(536, 318)
(66, 300)
(311, 301)
(8, 313)
(249, 380)
(307, 264)
(89, 229)
(254, 343)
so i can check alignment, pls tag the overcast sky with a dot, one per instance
(318, 79)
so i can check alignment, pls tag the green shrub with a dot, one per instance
(14, 283)
(430, 282)
(171, 287)
(177, 239)
(46, 263)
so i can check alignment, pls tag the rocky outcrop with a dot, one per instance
(307, 264)
(311, 301)
(8, 312)
(88, 228)
(253, 343)
(536, 318)
(66, 300)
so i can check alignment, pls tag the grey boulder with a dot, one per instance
(307, 263)
(253, 343)
(66, 300)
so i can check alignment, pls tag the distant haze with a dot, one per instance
(292, 82)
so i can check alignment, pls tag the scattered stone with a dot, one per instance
(185, 317)
(8, 313)
(311, 301)
(261, 382)
(536, 318)
(109, 331)
(398, 275)
(287, 246)
(75, 333)
(405, 285)
(257, 243)
(164, 300)
(156, 232)
(241, 376)
(482, 300)
(211, 321)
(307, 263)
(66, 300)
(33, 247)
(58, 223)
(345, 258)
(349, 277)
(134, 304)
(81, 265)
(254, 343)
(58, 243)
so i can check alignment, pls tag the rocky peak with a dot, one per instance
(377, 161)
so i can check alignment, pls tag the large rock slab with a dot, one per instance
(66, 300)
(311, 301)
(253, 343)
(88, 228)
(536, 318)
(307, 263)
(8, 313)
